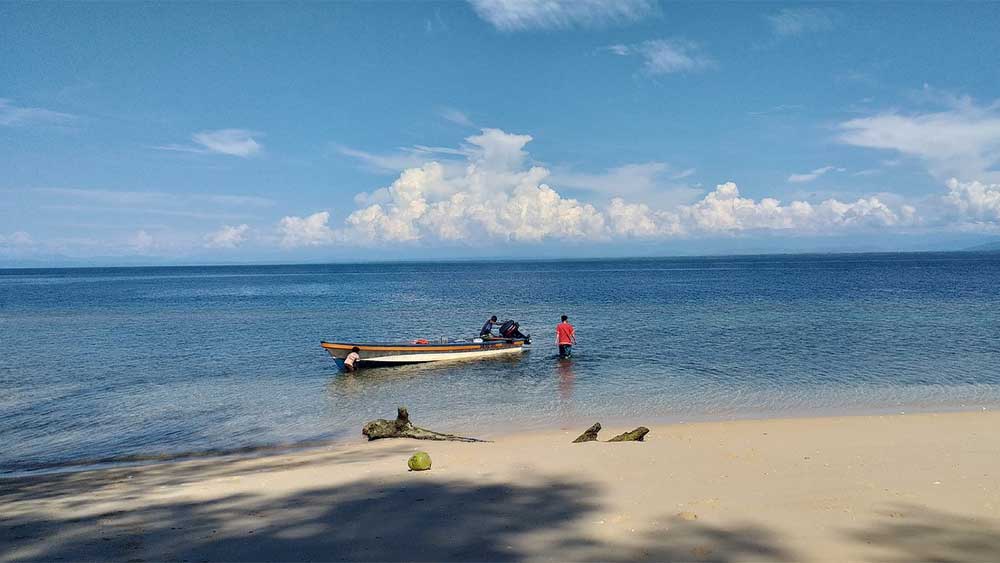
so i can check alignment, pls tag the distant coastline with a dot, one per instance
(98, 263)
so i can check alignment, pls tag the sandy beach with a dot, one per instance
(871, 488)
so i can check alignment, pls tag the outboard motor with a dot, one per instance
(511, 329)
(507, 329)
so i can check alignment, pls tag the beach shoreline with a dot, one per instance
(912, 486)
(347, 438)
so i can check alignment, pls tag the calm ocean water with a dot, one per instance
(109, 363)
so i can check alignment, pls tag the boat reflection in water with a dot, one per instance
(399, 378)
(566, 378)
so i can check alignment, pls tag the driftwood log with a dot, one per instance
(636, 435)
(590, 435)
(403, 428)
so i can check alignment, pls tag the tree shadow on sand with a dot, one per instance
(177, 470)
(417, 520)
(909, 532)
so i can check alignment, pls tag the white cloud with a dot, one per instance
(633, 181)
(142, 242)
(13, 116)
(16, 239)
(638, 220)
(197, 206)
(383, 162)
(619, 49)
(228, 236)
(623, 180)
(973, 204)
(724, 212)
(306, 231)
(457, 117)
(790, 22)
(499, 196)
(126, 197)
(519, 15)
(233, 142)
(666, 56)
(963, 141)
(810, 176)
(403, 158)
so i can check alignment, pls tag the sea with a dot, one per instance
(124, 365)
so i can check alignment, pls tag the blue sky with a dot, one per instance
(339, 131)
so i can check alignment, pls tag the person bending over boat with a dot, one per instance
(565, 337)
(352, 359)
(487, 329)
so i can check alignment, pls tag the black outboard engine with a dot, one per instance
(511, 329)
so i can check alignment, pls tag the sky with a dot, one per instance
(285, 132)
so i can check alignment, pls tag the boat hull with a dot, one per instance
(397, 354)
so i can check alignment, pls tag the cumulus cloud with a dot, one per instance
(499, 195)
(724, 211)
(232, 142)
(810, 176)
(306, 231)
(973, 204)
(228, 236)
(520, 15)
(494, 197)
(963, 141)
(790, 22)
(12, 115)
(666, 56)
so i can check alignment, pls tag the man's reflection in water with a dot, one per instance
(566, 378)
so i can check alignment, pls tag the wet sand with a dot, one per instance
(867, 488)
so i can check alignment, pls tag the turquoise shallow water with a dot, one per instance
(110, 363)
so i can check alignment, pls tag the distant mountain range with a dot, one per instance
(993, 246)
(634, 249)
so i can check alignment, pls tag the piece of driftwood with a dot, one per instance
(590, 435)
(636, 435)
(403, 428)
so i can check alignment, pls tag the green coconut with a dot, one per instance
(419, 461)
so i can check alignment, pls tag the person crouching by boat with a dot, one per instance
(565, 337)
(350, 362)
(487, 330)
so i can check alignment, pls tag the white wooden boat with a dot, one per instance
(423, 351)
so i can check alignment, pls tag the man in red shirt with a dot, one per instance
(565, 337)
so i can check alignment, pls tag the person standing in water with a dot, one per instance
(565, 337)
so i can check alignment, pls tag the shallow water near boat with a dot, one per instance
(109, 363)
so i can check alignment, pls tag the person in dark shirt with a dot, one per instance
(487, 329)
